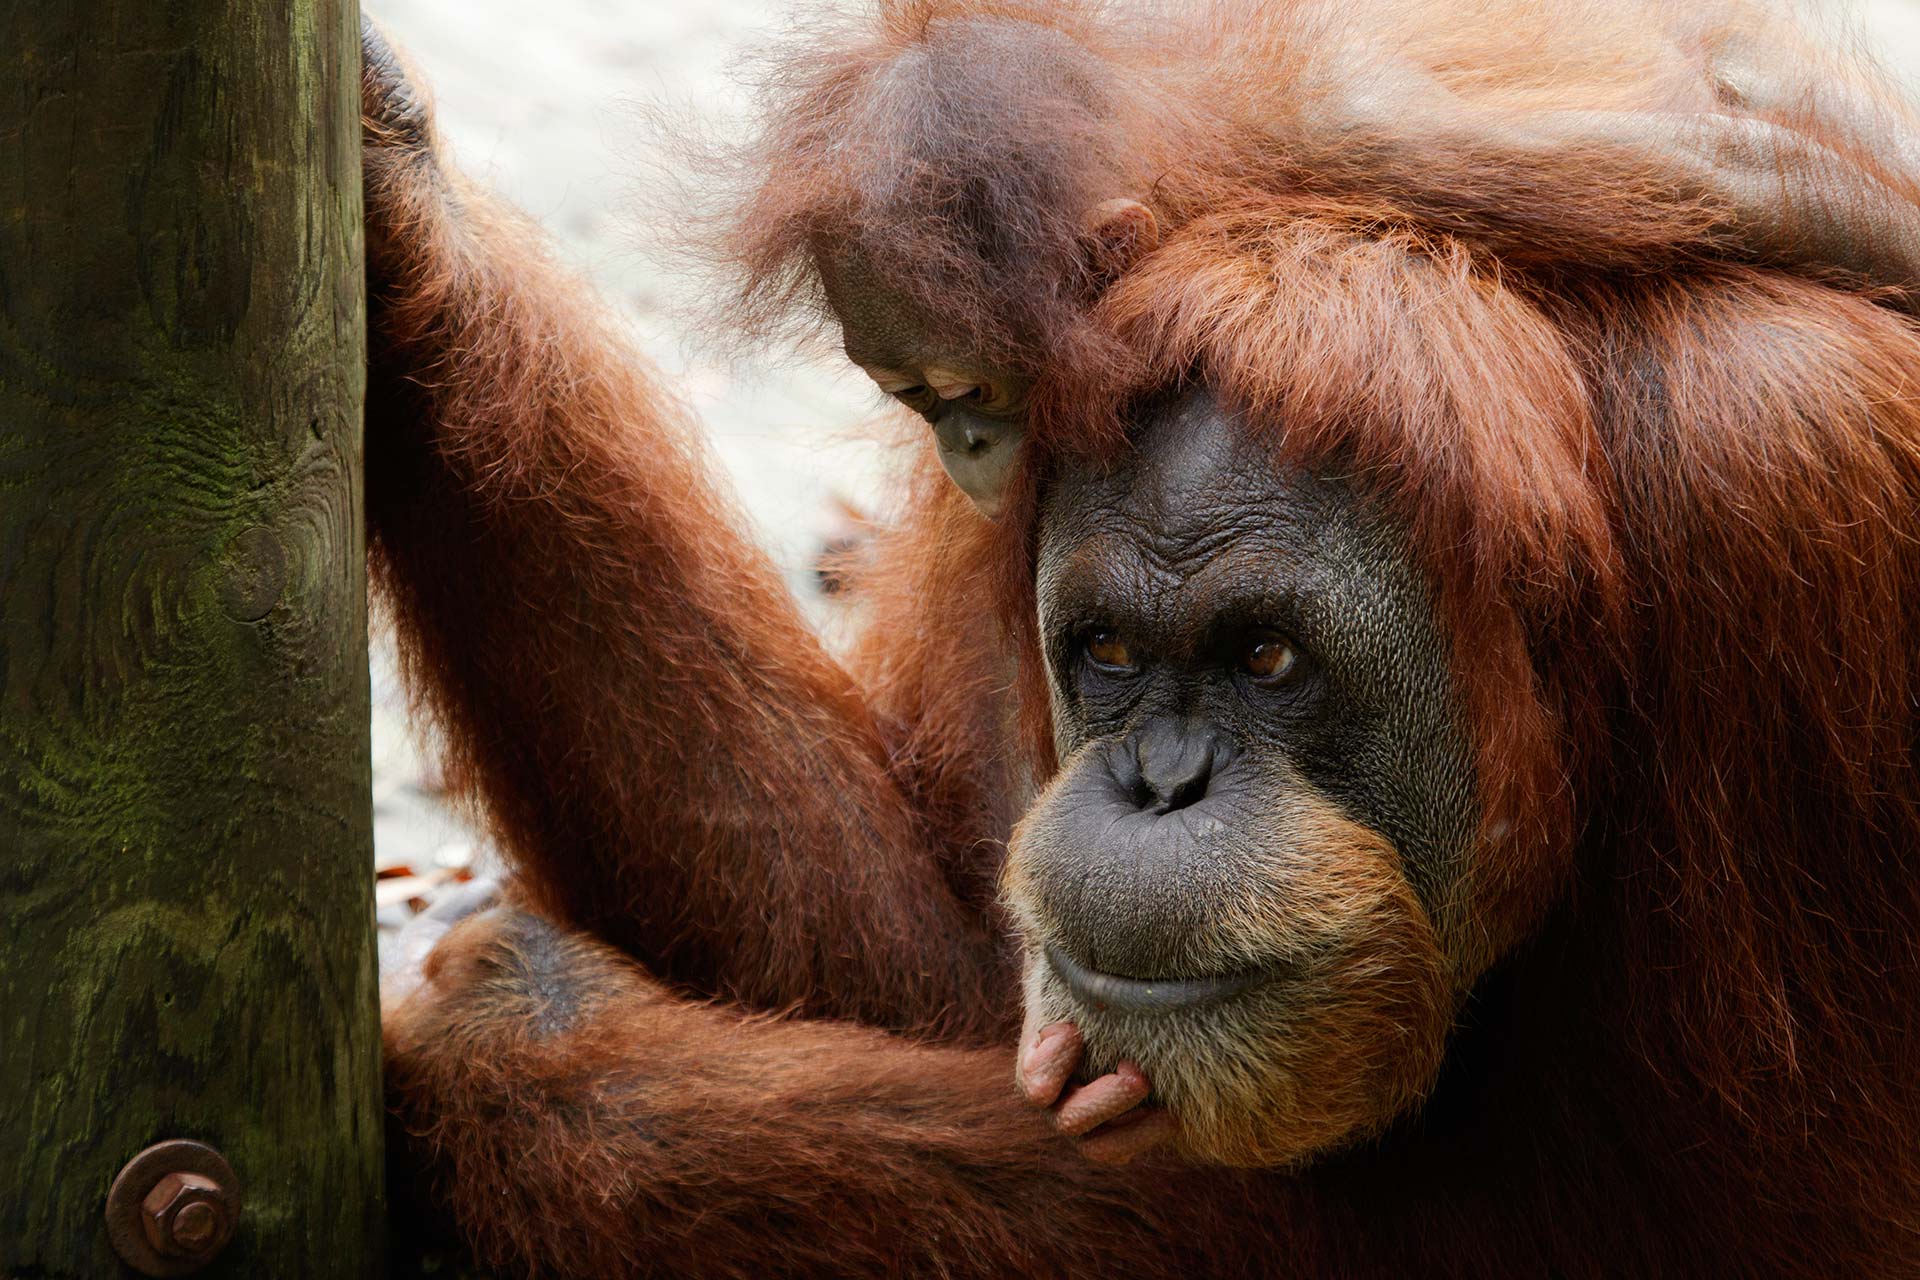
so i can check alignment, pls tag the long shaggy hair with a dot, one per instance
(1667, 504)
(955, 145)
(1665, 501)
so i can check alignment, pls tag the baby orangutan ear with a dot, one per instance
(1117, 234)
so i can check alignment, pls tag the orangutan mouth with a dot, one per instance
(1111, 992)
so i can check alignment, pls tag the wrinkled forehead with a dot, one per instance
(1202, 526)
(881, 325)
(1197, 486)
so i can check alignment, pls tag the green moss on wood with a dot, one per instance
(185, 826)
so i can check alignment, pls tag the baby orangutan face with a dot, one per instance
(977, 412)
(976, 406)
(1235, 884)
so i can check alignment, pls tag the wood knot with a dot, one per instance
(256, 574)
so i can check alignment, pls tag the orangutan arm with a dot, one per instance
(1778, 195)
(1796, 170)
(564, 1113)
(655, 735)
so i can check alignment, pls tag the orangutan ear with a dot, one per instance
(1117, 234)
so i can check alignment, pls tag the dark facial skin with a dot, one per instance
(978, 413)
(1192, 559)
(1266, 800)
(977, 409)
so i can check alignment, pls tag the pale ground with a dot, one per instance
(543, 102)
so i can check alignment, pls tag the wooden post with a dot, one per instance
(186, 936)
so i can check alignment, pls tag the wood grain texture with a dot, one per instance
(185, 823)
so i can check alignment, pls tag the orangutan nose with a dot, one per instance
(1168, 766)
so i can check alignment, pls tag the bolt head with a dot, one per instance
(173, 1208)
(195, 1224)
(185, 1216)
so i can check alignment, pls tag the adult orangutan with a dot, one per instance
(1433, 705)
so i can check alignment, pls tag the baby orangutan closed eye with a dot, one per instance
(976, 403)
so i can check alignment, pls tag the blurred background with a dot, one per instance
(549, 105)
(546, 104)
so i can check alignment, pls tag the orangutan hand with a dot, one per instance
(395, 110)
(403, 178)
(1105, 1113)
(401, 968)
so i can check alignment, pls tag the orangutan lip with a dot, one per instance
(1110, 991)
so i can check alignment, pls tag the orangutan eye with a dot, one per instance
(918, 398)
(1107, 649)
(1269, 659)
(999, 396)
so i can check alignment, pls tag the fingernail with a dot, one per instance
(1047, 1042)
(1046, 1047)
(1044, 1055)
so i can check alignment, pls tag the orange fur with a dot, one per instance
(1665, 499)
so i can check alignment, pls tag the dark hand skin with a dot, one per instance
(399, 147)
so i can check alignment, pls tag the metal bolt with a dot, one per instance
(173, 1208)
(185, 1216)
(195, 1224)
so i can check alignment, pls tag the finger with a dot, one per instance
(1094, 1104)
(1130, 1135)
(373, 41)
(1048, 1061)
(392, 102)
(400, 973)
